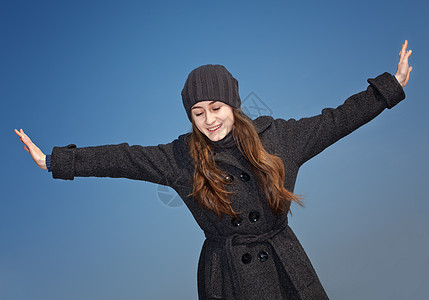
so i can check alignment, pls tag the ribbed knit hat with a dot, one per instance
(210, 82)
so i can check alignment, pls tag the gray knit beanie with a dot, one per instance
(210, 82)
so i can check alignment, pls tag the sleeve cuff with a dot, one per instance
(48, 163)
(62, 162)
(389, 88)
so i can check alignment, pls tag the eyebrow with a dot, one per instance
(209, 104)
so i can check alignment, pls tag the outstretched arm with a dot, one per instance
(305, 138)
(162, 164)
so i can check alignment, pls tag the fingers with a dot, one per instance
(25, 139)
(409, 52)
(408, 74)
(403, 49)
(407, 55)
(18, 133)
(22, 132)
(404, 54)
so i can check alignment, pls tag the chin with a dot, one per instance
(216, 137)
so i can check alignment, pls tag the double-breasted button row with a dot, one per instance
(253, 217)
(246, 258)
(243, 176)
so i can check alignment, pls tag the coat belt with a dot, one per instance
(239, 239)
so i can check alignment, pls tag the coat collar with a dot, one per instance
(235, 158)
(261, 123)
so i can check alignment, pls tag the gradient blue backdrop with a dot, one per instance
(107, 72)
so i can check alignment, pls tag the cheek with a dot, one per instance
(230, 120)
(199, 125)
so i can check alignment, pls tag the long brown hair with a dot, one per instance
(209, 181)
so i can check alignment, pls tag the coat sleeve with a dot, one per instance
(305, 138)
(158, 164)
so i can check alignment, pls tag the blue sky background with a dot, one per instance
(106, 72)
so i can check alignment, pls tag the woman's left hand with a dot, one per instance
(403, 71)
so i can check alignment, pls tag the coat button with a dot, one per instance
(253, 216)
(262, 256)
(246, 258)
(229, 178)
(236, 222)
(244, 176)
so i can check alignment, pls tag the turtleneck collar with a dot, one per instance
(226, 143)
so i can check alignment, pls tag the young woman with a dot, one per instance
(237, 177)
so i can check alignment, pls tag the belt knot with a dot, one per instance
(240, 239)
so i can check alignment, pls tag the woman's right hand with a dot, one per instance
(38, 156)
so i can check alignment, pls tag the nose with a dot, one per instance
(210, 118)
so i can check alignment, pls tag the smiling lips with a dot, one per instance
(214, 128)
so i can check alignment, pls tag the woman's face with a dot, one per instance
(213, 118)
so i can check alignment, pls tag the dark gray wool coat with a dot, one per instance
(257, 256)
